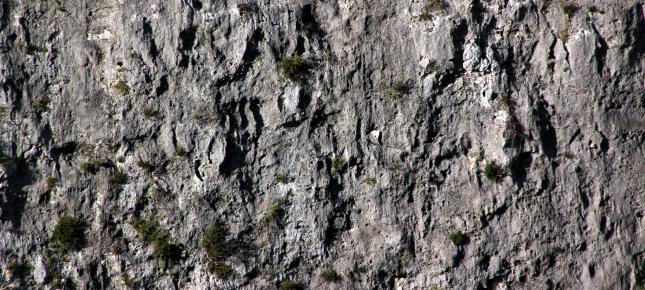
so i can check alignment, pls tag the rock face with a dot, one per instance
(338, 144)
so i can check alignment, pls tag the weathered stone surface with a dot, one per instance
(368, 163)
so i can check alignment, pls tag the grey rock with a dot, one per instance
(189, 101)
(40, 270)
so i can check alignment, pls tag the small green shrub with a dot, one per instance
(7, 162)
(569, 10)
(147, 166)
(507, 102)
(163, 250)
(640, 285)
(330, 276)
(51, 182)
(546, 5)
(69, 234)
(91, 167)
(128, 281)
(247, 8)
(221, 270)
(458, 238)
(429, 8)
(434, 5)
(493, 172)
(121, 88)
(59, 6)
(568, 154)
(514, 126)
(214, 241)
(595, 9)
(153, 189)
(32, 49)
(288, 285)
(371, 181)
(19, 269)
(398, 88)
(337, 164)
(4, 159)
(293, 67)
(60, 282)
(180, 151)
(118, 177)
(146, 229)
(431, 67)
(40, 105)
(149, 112)
(424, 16)
(275, 210)
(282, 178)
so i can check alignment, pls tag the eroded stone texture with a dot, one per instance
(368, 163)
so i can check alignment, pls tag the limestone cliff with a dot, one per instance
(322, 144)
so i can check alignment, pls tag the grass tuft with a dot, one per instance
(275, 210)
(147, 166)
(330, 276)
(398, 88)
(282, 178)
(371, 181)
(337, 164)
(288, 285)
(164, 251)
(119, 177)
(121, 88)
(91, 167)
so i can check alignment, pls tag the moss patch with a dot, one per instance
(293, 67)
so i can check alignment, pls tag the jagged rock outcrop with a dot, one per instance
(464, 144)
